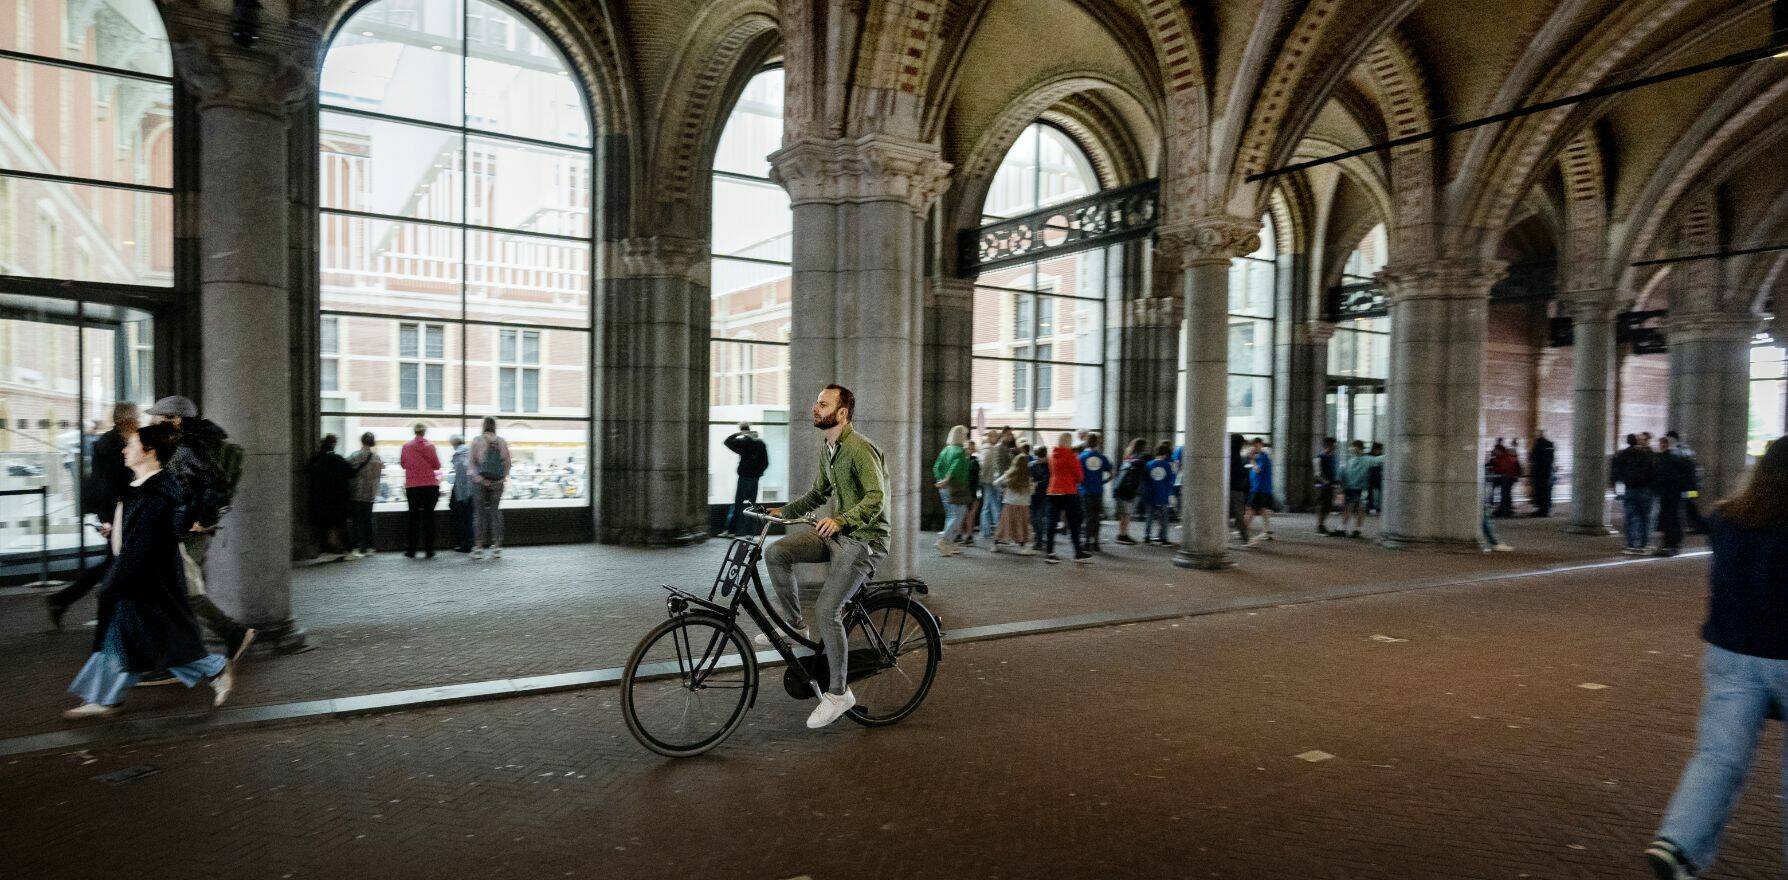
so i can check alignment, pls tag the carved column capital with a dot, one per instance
(658, 256)
(1589, 305)
(1209, 240)
(274, 74)
(1711, 327)
(873, 168)
(1442, 279)
(1154, 311)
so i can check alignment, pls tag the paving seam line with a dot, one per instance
(169, 726)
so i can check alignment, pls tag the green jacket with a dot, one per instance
(952, 464)
(856, 473)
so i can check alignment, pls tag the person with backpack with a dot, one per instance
(1129, 486)
(207, 467)
(1635, 468)
(494, 460)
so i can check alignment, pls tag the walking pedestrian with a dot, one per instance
(1744, 667)
(1238, 484)
(1542, 472)
(1691, 510)
(1095, 469)
(965, 534)
(1128, 488)
(1065, 475)
(207, 467)
(1354, 475)
(1325, 488)
(1015, 507)
(754, 462)
(369, 472)
(1635, 469)
(1260, 490)
(996, 458)
(1157, 494)
(106, 482)
(329, 474)
(950, 471)
(459, 495)
(145, 622)
(1675, 477)
(1375, 482)
(1039, 457)
(422, 489)
(492, 459)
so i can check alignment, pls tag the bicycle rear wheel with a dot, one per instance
(893, 659)
(688, 684)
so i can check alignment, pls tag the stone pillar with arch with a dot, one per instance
(1710, 393)
(1592, 405)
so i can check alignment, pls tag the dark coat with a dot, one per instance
(106, 476)
(330, 477)
(754, 456)
(144, 591)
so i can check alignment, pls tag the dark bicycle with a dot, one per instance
(690, 681)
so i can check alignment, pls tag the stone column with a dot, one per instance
(949, 366)
(1710, 373)
(859, 207)
(1592, 403)
(1148, 368)
(652, 420)
(1306, 419)
(1432, 480)
(1207, 246)
(244, 98)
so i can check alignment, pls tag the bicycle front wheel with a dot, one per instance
(687, 685)
(895, 647)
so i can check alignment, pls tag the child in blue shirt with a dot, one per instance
(1260, 490)
(1095, 470)
(1157, 493)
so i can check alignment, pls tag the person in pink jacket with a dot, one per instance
(422, 486)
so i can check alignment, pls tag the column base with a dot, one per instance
(1444, 545)
(1212, 561)
(1598, 530)
(284, 637)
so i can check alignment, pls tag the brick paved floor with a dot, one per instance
(389, 623)
(1166, 749)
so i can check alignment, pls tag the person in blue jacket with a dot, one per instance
(1039, 495)
(1157, 494)
(1260, 490)
(1096, 469)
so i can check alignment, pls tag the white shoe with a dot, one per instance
(496, 553)
(763, 639)
(89, 710)
(356, 555)
(223, 684)
(477, 554)
(1502, 548)
(830, 707)
(1025, 551)
(945, 548)
(372, 552)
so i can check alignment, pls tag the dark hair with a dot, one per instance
(1673, 435)
(1763, 502)
(490, 424)
(1138, 446)
(846, 400)
(1164, 449)
(329, 442)
(1632, 439)
(1329, 441)
(367, 439)
(159, 439)
(1092, 441)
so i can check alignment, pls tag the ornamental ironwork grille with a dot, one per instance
(1104, 218)
(1363, 300)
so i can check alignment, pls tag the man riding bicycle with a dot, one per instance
(851, 539)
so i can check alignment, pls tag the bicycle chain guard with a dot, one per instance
(863, 662)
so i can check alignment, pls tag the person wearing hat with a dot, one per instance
(207, 467)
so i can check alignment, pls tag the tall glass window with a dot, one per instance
(456, 190)
(86, 176)
(1039, 327)
(1253, 304)
(1769, 393)
(751, 292)
(1360, 354)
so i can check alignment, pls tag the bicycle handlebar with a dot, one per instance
(762, 514)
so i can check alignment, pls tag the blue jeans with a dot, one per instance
(953, 514)
(1636, 504)
(991, 502)
(1152, 513)
(1737, 692)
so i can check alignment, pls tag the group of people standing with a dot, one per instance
(1658, 488)
(1503, 469)
(1359, 477)
(343, 491)
(158, 493)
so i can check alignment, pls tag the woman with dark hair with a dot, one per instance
(330, 494)
(1745, 666)
(145, 623)
(1238, 485)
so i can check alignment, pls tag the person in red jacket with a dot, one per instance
(1065, 475)
(422, 488)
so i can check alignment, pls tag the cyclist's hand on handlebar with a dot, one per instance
(774, 511)
(828, 527)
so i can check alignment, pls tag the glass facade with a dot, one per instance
(1253, 305)
(1039, 326)
(751, 292)
(456, 180)
(86, 170)
(1360, 354)
(1769, 394)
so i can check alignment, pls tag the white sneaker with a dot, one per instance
(763, 639)
(1025, 551)
(496, 553)
(830, 707)
(223, 684)
(945, 548)
(1502, 548)
(477, 554)
(89, 710)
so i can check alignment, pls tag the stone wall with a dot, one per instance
(1643, 396)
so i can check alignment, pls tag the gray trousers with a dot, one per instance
(487, 502)
(852, 564)
(193, 547)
